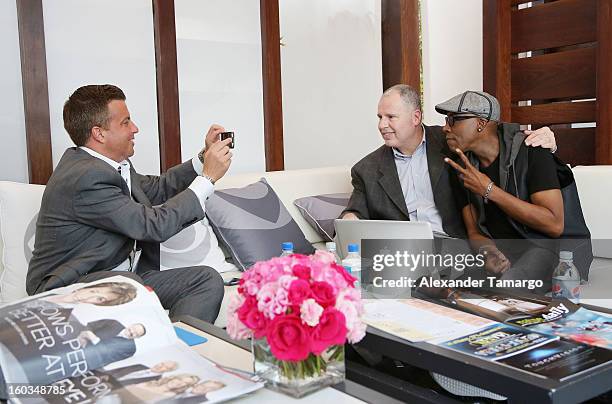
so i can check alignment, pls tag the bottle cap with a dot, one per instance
(353, 248)
(330, 246)
(287, 245)
(566, 255)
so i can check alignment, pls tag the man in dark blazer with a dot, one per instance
(139, 373)
(416, 152)
(98, 215)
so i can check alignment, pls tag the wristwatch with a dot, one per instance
(209, 179)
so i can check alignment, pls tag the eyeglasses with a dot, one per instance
(451, 119)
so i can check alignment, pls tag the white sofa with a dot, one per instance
(19, 205)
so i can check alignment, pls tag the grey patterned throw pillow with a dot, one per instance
(321, 210)
(252, 223)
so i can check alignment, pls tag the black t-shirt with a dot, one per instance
(541, 176)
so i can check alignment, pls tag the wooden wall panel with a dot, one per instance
(168, 116)
(272, 90)
(576, 146)
(401, 52)
(555, 75)
(604, 82)
(555, 113)
(496, 52)
(35, 89)
(571, 60)
(556, 24)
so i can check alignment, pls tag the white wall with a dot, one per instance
(331, 71)
(97, 42)
(452, 51)
(219, 75)
(13, 159)
(332, 79)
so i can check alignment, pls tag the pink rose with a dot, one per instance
(324, 256)
(350, 279)
(288, 338)
(266, 299)
(352, 311)
(327, 273)
(323, 293)
(250, 287)
(301, 271)
(250, 316)
(299, 290)
(236, 329)
(357, 333)
(310, 312)
(235, 301)
(256, 321)
(330, 331)
(285, 281)
(272, 300)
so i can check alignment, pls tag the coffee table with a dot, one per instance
(221, 349)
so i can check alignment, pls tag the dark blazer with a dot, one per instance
(118, 373)
(377, 193)
(88, 221)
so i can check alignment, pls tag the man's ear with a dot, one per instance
(416, 117)
(97, 135)
(482, 124)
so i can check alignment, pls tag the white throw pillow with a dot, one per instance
(19, 206)
(194, 246)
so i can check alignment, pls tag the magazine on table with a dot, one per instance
(558, 317)
(498, 341)
(497, 305)
(585, 326)
(529, 351)
(420, 320)
(108, 341)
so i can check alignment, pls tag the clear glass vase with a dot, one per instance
(298, 378)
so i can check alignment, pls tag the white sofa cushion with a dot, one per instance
(19, 206)
(593, 183)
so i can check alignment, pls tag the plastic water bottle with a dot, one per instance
(330, 246)
(287, 248)
(566, 279)
(352, 263)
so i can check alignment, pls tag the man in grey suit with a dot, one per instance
(406, 178)
(98, 215)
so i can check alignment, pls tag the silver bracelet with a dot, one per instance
(487, 192)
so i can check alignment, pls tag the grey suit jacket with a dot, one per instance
(377, 192)
(88, 221)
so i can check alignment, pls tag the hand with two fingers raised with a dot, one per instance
(473, 180)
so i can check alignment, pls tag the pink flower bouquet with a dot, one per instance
(302, 306)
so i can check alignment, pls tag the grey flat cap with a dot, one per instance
(476, 103)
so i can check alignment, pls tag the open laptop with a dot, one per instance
(353, 231)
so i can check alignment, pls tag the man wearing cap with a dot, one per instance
(509, 194)
(406, 178)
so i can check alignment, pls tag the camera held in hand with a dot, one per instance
(225, 135)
